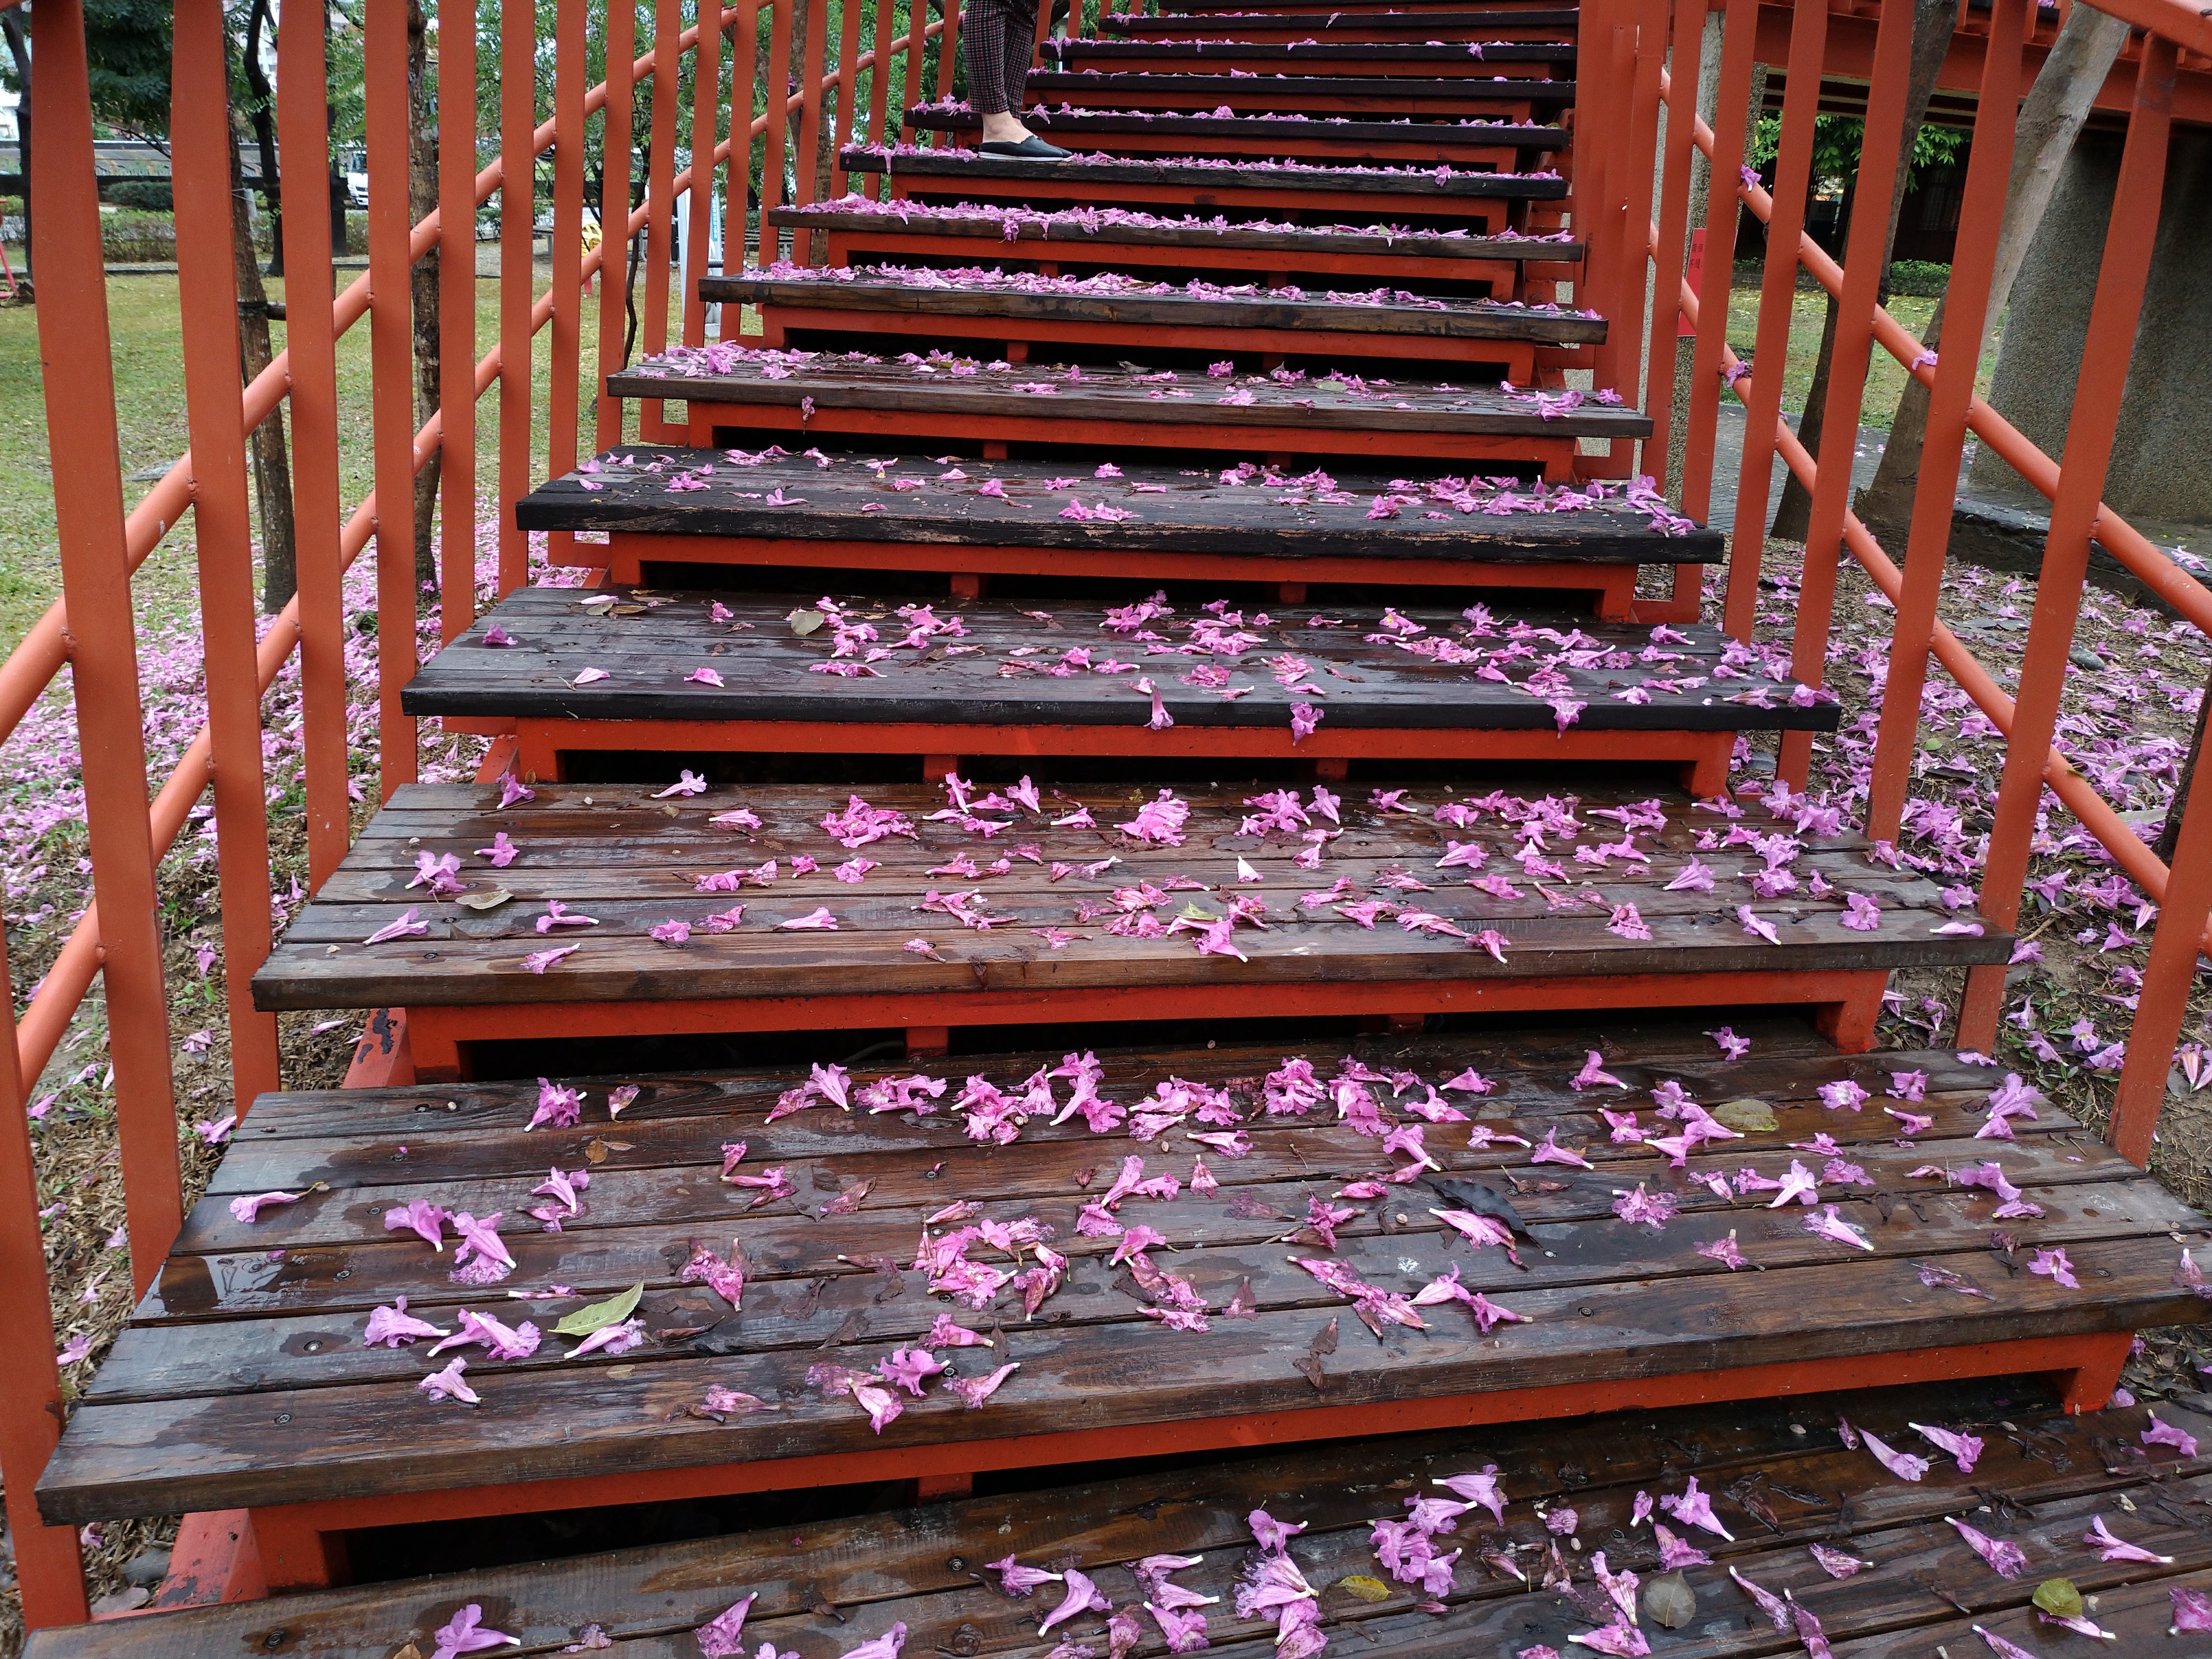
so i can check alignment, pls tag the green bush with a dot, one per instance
(1922, 278)
(133, 238)
(149, 195)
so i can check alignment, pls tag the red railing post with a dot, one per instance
(736, 239)
(1731, 115)
(566, 348)
(49, 1574)
(1863, 260)
(1793, 177)
(659, 204)
(614, 212)
(201, 160)
(311, 357)
(456, 316)
(849, 86)
(2121, 278)
(699, 200)
(1929, 539)
(77, 367)
(2169, 975)
(518, 241)
(391, 359)
(806, 179)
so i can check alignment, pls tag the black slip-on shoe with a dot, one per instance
(1031, 148)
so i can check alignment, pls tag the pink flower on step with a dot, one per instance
(2164, 1434)
(560, 1107)
(539, 960)
(1305, 721)
(1082, 1596)
(395, 1327)
(249, 1210)
(406, 927)
(818, 919)
(1965, 1449)
(2053, 1265)
(465, 1633)
(1695, 1509)
(722, 1636)
(689, 783)
(447, 1385)
(2006, 1559)
(2100, 1538)
(974, 1390)
(1754, 926)
(1548, 1151)
(703, 677)
(501, 851)
(1017, 1580)
(1594, 1073)
(511, 791)
(908, 1368)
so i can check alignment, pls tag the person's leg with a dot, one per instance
(983, 32)
(1020, 48)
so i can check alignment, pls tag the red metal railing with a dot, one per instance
(2074, 488)
(800, 88)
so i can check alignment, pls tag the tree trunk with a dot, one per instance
(421, 201)
(2050, 119)
(272, 471)
(18, 48)
(1933, 22)
(2169, 838)
(265, 132)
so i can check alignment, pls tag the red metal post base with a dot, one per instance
(301, 1544)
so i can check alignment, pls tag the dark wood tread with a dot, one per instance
(1456, 52)
(1294, 91)
(1110, 237)
(1206, 9)
(1004, 667)
(856, 380)
(634, 860)
(238, 1384)
(1777, 1473)
(1448, 25)
(1170, 510)
(995, 295)
(1073, 175)
(1263, 131)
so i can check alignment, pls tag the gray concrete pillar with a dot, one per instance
(2162, 459)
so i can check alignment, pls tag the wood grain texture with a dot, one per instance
(1006, 667)
(1779, 1478)
(1223, 181)
(861, 381)
(1348, 139)
(1261, 309)
(1356, 21)
(1071, 233)
(633, 862)
(1172, 510)
(1304, 57)
(1440, 95)
(243, 1378)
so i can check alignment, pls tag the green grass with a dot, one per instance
(150, 422)
(1885, 375)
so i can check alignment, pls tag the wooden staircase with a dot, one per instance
(1180, 602)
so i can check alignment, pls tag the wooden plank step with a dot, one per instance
(1113, 234)
(1509, 98)
(634, 859)
(1482, 204)
(576, 673)
(234, 1388)
(847, 306)
(1168, 524)
(1204, 9)
(812, 395)
(1352, 23)
(1504, 148)
(1452, 58)
(1778, 1475)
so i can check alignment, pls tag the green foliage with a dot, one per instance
(127, 43)
(149, 195)
(1836, 142)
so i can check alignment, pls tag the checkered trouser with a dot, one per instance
(998, 42)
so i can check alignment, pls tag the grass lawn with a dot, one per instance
(149, 378)
(1885, 375)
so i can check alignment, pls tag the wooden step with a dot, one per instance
(1025, 314)
(1507, 99)
(1253, 9)
(992, 679)
(1779, 1478)
(634, 859)
(1169, 524)
(1348, 24)
(1452, 58)
(1481, 203)
(262, 1370)
(859, 230)
(732, 393)
(1504, 147)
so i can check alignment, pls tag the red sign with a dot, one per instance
(1693, 273)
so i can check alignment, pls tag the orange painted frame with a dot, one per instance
(1611, 588)
(1702, 756)
(300, 1544)
(1845, 1002)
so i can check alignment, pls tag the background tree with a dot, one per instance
(16, 74)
